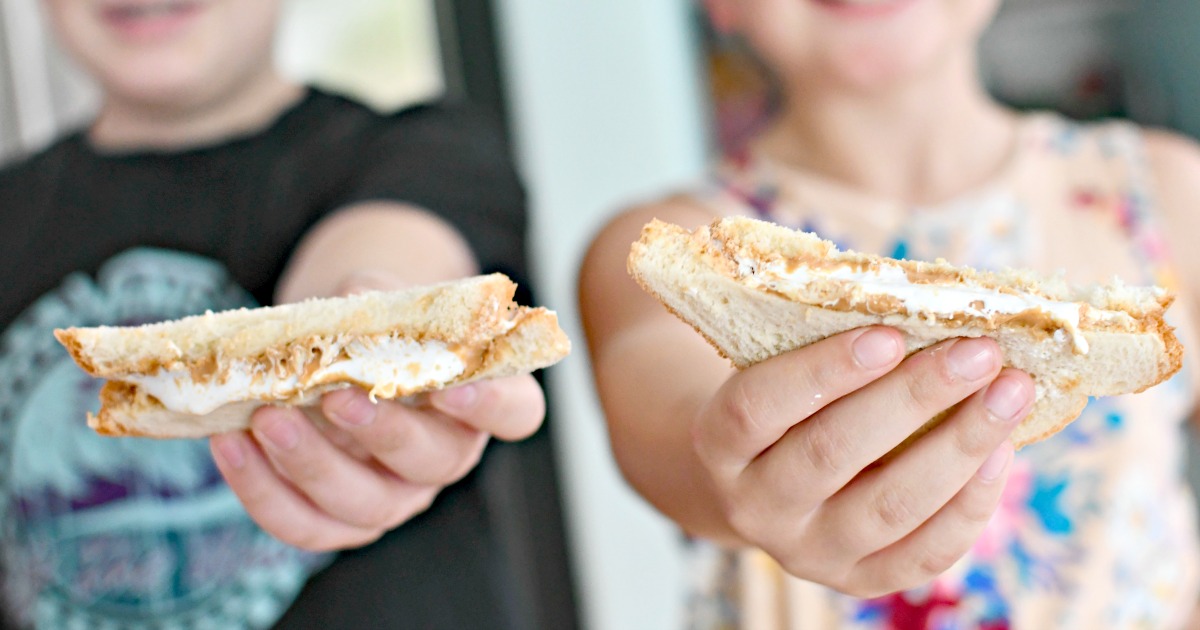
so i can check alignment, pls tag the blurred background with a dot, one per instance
(608, 102)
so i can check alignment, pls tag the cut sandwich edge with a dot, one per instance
(534, 341)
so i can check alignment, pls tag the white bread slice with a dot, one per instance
(471, 328)
(729, 280)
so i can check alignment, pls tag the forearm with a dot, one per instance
(406, 244)
(654, 374)
(653, 384)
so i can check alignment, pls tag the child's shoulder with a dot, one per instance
(1173, 161)
(1164, 162)
(1172, 155)
(1062, 136)
(1111, 135)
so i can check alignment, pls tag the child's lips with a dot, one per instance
(859, 3)
(863, 8)
(146, 20)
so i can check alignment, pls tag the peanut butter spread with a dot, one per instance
(389, 366)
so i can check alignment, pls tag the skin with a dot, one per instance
(344, 472)
(1175, 165)
(785, 455)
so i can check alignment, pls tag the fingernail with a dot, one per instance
(456, 399)
(229, 449)
(1006, 397)
(996, 463)
(875, 349)
(355, 411)
(972, 359)
(280, 432)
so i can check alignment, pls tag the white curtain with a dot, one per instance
(41, 91)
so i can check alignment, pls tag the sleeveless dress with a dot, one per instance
(1096, 526)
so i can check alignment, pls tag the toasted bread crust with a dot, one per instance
(470, 309)
(69, 338)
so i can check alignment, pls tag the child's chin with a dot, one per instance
(160, 88)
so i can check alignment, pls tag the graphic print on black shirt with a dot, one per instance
(123, 532)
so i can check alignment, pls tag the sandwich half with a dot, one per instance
(755, 290)
(205, 374)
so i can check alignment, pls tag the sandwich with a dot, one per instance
(755, 290)
(205, 374)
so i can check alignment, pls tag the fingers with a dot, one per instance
(420, 445)
(830, 449)
(509, 408)
(937, 544)
(757, 406)
(323, 473)
(279, 508)
(888, 502)
(341, 478)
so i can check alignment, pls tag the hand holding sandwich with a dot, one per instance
(780, 456)
(342, 473)
(790, 446)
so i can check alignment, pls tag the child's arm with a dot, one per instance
(1175, 162)
(780, 455)
(361, 469)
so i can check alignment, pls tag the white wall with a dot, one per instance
(44, 92)
(607, 108)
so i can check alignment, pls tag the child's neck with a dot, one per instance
(924, 142)
(250, 106)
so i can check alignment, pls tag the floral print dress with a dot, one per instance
(1096, 526)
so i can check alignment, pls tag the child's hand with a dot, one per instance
(791, 446)
(344, 473)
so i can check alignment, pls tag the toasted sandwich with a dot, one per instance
(205, 374)
(755, 290)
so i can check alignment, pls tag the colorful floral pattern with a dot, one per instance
(1095, 528)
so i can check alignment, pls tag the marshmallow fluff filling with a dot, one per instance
(391, 366)
(945, 301)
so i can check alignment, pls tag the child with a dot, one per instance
(887, 142)
(207, 181)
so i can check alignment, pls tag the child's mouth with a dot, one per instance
(864, 8)
(858, 2)
(151, 19)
